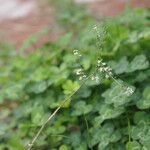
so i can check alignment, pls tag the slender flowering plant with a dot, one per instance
(101, 68)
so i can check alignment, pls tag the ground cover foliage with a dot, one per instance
(98, 116)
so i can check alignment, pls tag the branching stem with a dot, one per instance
(30, 145)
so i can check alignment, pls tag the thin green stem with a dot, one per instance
(87, 127)
(30, 145)
(129, 134)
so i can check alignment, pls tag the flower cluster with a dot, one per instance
(77, 53)
(104, 68)
(95, 78)
(81, 74)
(101, 67)
(129, 91)
(80, 71)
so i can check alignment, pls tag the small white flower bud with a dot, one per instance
(129, 91)
(103, 64)
(79, 71)
(95, 27)
(29, 145)
(106, 76)
(75, 52)
(100, 60)
(110, 73)
(92, 78)
(97, 79)
(84, 76)
(81, 78)
(106, 68)
(101, 69)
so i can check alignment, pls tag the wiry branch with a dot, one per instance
(30, 145)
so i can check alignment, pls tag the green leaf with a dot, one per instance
(13, 91)
(141, 77)
(102, 135)
(37, 115)
(143, 104)
(146, 93)
(81, 108)
(116, 95)
(65, 39)
(64, 147)
(134, 145)
(141, 116)
(14, 142)
(66, 104)
(36, 87)
(70, 87)
(103, 144)
(41, 73)
(140, 132)
(140, 62)
(121, 66)
(95, 132)
(75, 138)
(116, 136)
(108, 112)
(84, 92)
(82, 146)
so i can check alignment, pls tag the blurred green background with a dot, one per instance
(33, 84)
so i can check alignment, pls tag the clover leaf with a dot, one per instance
(141, 116)
(140, 62)
(121, 66)
(116, 136)
(36, 87)
(81, 108)
(75, 138)
(134, 145)
(64, 147)
(146, 93)
(109, 112)
(141, 132)
(104, 135)
(116, 95)
(37, 115)
(70, 86)
(145, 102)
(103, 144)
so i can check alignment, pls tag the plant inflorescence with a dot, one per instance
(101, 68)
(116, 116)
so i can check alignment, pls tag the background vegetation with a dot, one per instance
(98, 117)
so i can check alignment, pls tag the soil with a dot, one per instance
(21, 18)
(113, 7)
(32, 16)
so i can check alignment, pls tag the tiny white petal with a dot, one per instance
(103, 64)
(78, 71)
(80, 78)
(106, 76)
(95, 27)
(93, 78)
(100, 69)
(97, 79)
(84, 76)
(75, 52)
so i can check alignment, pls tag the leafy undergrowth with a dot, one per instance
(98, 117)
